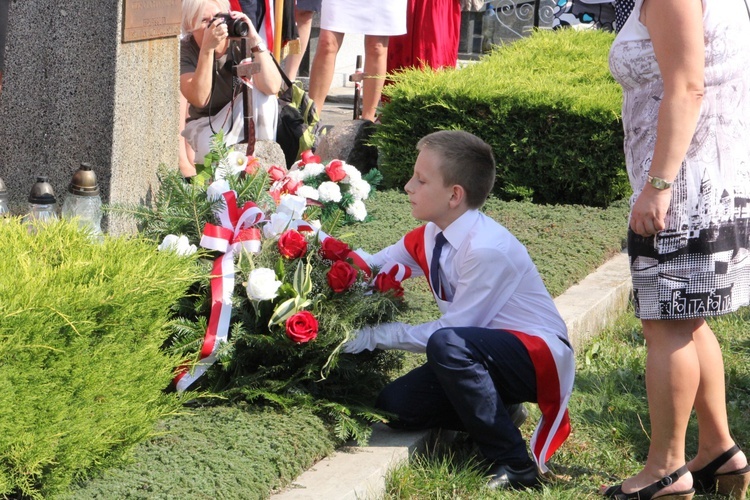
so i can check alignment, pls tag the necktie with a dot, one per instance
(435, 265)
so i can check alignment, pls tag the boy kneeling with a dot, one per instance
(500, 340)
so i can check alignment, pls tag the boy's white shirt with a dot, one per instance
(492, 280)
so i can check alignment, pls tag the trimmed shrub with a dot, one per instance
(547, 105)
(81, 365)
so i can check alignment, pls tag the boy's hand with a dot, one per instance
(363, 340)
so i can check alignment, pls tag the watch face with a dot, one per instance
(659, 183)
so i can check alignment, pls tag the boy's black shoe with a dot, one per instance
(518, 414)
(507, 477)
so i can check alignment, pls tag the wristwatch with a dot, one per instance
(261, 47)
(659, 183)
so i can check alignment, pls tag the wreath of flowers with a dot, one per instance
(281, 294)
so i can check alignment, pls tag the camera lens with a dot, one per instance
(238, 27)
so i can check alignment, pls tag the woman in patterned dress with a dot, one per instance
(684, 66)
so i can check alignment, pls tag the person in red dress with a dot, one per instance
(433, 29)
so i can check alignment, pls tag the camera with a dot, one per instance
(235, 27)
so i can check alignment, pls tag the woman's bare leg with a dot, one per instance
(304, 26)
(376, 57)
(324, 62)
(672, 379)
(710, 405)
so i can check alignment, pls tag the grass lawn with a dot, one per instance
(609, 416)
(245, 452)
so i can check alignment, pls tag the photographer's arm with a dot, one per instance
(196, 86)
(268, 80)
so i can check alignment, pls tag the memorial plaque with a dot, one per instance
(148, 19)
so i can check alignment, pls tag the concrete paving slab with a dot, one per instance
(591, 304)
(359, 472)
(356, 472)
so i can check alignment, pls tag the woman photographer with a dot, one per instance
(207, 54)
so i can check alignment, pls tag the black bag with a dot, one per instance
(298, 120)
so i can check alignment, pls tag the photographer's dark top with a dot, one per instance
(221, 92)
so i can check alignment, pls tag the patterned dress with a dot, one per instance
(697, 266)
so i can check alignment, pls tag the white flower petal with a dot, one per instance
(292, 205)
(357, 210)
(262, 284)
(352, 174)
(236, 162)
(308, 192)
(329, 191)
(180, 245)
(216, 189)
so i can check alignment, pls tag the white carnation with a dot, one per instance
(262, 284)
(359, 189)
(296, 175)
(357, 210)
(308, 192)
(352, 174)
(313, 170)
(329, 191)
(178, 244)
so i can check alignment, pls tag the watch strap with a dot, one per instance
(261, 47)
(659, 183)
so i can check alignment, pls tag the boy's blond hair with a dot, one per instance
(466, 160)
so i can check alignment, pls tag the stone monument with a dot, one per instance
(94, 82)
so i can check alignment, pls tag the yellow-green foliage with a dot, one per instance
(547, 105)
(81, 369)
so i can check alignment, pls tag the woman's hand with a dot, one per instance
(252, 34)
(650, 211)
(214, 35)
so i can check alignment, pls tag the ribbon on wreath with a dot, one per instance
(237, 232)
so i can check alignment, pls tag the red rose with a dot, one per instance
(302, 327)
(307, 156)
(341, 276)
(290, 186)
(335, 170)
(292, 244)
(385, 282)
(276, 173)
(333, 249)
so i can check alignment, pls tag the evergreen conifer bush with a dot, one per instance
(81, 365)
(546, 104)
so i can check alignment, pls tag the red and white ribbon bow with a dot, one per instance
(237, 232)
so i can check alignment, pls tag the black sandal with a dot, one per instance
(732, 484)
(650, 491)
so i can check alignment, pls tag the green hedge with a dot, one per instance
(547, 105)
(81, 369)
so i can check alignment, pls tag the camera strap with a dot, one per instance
(229, 64)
